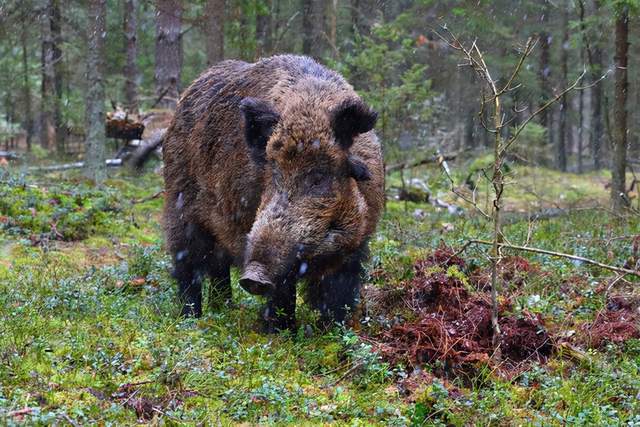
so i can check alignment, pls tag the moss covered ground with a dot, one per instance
(90, 332)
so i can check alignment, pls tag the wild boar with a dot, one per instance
(273, 167)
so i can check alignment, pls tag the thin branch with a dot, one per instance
(540, 110)
(529, 47)
(557, 254)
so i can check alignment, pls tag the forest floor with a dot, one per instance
(90, 332)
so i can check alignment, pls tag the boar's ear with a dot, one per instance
(259, 120)
(358, 170)
(351, 118)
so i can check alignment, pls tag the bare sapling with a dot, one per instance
(494, 120)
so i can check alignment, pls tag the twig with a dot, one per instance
(347, 373)
(540, 110)
(146, 199)
(556, 254)
(411, 164)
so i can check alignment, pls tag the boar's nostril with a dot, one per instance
(255, 280)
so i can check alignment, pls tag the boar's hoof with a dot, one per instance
(255, 281)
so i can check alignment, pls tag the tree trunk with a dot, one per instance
(168, 51)
(546, 116)
(361, 11)
(264, 31)
(597, 123)
(26, 87)
(564, 104)
(332, 23)
(58, 67)
(583, 46)
(130, 25)
(618, 167)
(313, 28)
(214, 31)
(94, 114)
(48, 96)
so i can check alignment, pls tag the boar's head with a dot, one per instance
(312, 212)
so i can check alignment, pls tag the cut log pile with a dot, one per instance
(123, 125)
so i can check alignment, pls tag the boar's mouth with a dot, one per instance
(255, 279)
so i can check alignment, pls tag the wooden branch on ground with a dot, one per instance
(555, 254)
(146, 199)
(75, 165)
(412, 164)
(9, 155)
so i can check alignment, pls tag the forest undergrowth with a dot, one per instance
(90, 332)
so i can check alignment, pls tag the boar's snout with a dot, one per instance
(255, 279)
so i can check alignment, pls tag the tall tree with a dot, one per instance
(264, 29)
(564, 104)
(214, 30)
(583, 47)
(26, 86)
(361, 11)
(55, 21)
(130, 24)
(47, 92)
(168, 66)
(94, 114)
(332, 25)
(544, 73)
(619, 164)
(313, 28)
(596, 65)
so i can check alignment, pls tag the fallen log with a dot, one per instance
(438, 158)
(75, 165)
(9, 155)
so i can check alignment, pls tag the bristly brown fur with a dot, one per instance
(313, 198)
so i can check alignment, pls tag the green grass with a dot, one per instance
(77, 323)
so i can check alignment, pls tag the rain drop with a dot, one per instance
(181, 255)
(303, 268)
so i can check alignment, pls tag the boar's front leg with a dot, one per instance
(280, 312)
(197, 254)
(337, 295)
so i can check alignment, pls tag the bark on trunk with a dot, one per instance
(48, 96)
(583, 46)
(26, 87)
(564, 105)
(168, 51)
(58, 68)
(95, 133)
(332, 25)
(597, 120)
(130, 25)
(214, 31)
(546, 116)
(313, 28)
(361, 11)
(264, 32)
(618, 169)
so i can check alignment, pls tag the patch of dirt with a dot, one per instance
(451, 323)
(616, 324)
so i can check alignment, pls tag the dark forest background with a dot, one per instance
(387, 49)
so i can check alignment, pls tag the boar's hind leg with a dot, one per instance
(195, 256)
(280, 312)
(336, 296)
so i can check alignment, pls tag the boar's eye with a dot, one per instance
(357, 168)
